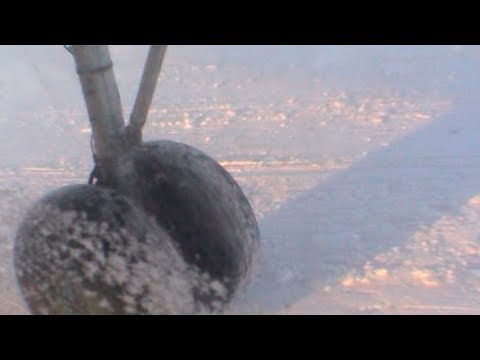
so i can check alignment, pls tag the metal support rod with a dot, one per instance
(147, 87)
(100, 91)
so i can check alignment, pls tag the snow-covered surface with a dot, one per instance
(362, 163)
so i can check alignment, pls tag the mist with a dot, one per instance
(361, 162)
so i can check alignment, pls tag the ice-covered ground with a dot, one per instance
(362, 163)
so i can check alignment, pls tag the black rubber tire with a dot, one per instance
(200, 206)
(84, 249)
